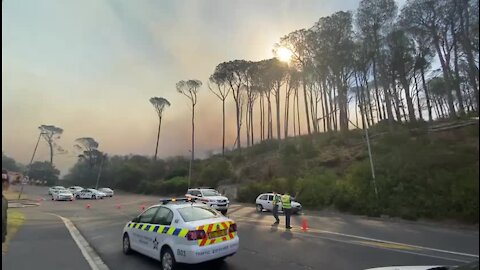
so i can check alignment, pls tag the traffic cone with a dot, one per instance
(304, 225)
(87, 206)
(142, 207)
(119, 206)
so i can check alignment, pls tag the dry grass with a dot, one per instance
(13, 195)
(15, 220)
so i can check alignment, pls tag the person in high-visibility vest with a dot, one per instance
(287, 209)
(275, 202)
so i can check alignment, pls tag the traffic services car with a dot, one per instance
(62, 195)
(210, 197)
(75, 189)
(107, 191)
(264, 202)
(50, 190)
(90, 193)
(181, 231)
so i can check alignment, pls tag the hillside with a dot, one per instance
(420, 172)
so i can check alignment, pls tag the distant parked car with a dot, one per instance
(52, 189)
(264, 202)
(107, 191)
(90, 193)
(210, 197)
(62, 195)
(75, 189)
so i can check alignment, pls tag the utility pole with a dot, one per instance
(100, 170)
(372, 168)
(31, 160)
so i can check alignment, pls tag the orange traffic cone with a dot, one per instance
(304, 224)
(119, 206)
(87, 206)
(142, 207)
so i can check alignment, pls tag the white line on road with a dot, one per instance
(371, 239)
(95, 262)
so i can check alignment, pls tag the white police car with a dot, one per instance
(181, 231)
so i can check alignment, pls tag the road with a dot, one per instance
(332, 241)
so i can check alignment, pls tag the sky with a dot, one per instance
(91, 66)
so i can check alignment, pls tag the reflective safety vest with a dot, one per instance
(276, 199)
(286, 202)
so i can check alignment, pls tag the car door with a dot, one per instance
(140, 235)
(263, 201)
(85, 194)
(269, 203)
(163, 219)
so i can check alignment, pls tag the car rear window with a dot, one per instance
(194, 213)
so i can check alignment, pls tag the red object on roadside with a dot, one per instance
(119, 206)
(304, 224)
(87, 206)
(142, 207)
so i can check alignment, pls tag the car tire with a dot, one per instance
(78, 197)
(259, 208)
(126, 245)
(167, 259)
(224, 212)
(94, 197)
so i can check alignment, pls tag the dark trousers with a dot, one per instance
(288, 213)
(275, 213)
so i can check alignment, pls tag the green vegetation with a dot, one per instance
(418, 174)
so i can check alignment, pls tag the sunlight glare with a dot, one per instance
(283, 54)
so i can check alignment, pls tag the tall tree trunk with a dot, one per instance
(446, 75)
(277, 103)
(458, 91)
(326, 116)
(427, 94)
(269, 118)
(312, 108)
(247, 120)
(193, 133)
(223, 127)
(251, 122)
(408, 98)
(396, 99)
(419, 106)
(50, 145)
(287, 105)
(306, 104)
(298, 115)
(294, 108)
(377, 96)
(158, 137)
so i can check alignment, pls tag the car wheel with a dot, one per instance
(168, 260)
(78, 197)
(126, 245)
(259, 208)
(94, 197)
(224, 212)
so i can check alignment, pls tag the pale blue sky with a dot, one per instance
(90, 67)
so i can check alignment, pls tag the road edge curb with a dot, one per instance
(93, 259)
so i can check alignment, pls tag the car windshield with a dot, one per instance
(210, 192)
(194, 213)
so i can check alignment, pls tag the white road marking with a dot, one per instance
(370, 239)
(95, 262)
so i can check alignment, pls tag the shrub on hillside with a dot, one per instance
(214, 171)
(316, 189)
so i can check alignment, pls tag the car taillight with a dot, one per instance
(196, 235)
(232, 228)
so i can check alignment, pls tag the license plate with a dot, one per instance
(217, 234)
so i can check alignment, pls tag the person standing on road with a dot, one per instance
(275, 201)
(5, 184)
(287, 209)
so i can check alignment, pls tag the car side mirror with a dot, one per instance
(135, 219)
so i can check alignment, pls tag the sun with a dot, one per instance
(283, 54)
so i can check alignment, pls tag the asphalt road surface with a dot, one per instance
(332, 241)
